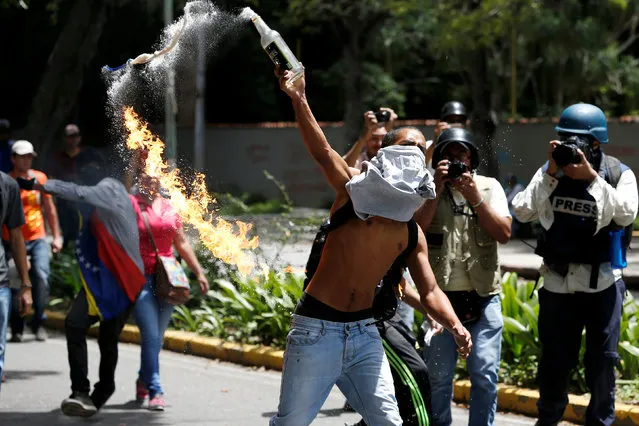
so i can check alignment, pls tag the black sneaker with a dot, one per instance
(78, 405)
(16, 338)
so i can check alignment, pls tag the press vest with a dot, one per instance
(571, 237)
(479, 250)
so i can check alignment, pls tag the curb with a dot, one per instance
(509, 398)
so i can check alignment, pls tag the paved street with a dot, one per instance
(199, 391)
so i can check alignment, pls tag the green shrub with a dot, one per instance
(250, 310)
(64, 279)
(520, 343)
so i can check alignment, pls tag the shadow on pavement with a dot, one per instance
(105, 417)
(25, 375)
(333, 412)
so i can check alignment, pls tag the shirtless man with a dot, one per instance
(333, 338)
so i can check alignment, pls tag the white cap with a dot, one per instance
(22, 147)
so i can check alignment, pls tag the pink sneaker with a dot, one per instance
(141, 391)
(157, 403)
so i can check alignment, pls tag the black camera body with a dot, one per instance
(567, 152)
(456, 168)
(383, 116)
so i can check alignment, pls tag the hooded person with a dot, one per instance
(112, 273)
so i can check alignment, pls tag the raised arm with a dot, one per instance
(332, 164)
(433, 298)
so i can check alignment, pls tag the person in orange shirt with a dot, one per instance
(34, 232)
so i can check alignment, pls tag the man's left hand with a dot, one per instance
(56, 245)
(466, 186)
(581, 171)
(391, 121)
(204, 283)
(25, 301)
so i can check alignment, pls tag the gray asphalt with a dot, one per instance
(198, 391)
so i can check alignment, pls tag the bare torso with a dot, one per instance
(354, 260)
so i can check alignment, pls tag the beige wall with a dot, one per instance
(236, 156)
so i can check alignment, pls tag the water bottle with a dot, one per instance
(618, 249)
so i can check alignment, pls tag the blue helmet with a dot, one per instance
(584, 119)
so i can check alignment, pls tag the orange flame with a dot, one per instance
(216, 234)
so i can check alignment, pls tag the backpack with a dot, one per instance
(385, 302)
(612, 166)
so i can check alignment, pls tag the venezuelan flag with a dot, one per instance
(111, 279)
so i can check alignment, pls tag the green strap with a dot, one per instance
(407, 379)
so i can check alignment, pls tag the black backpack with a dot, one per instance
(613, 174)
(385, 302)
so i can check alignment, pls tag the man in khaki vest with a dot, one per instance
(463, 225)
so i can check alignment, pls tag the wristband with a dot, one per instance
(25, 286)
(479, 203)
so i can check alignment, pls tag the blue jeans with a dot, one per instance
(483, 367)
(40, 254)
(5, 309)
(152, 317)
(320, 354)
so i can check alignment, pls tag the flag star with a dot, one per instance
(77, 250)
(87, 265)
(96, 269)
(81, 258)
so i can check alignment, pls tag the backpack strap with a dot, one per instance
(412, 238)
(612, 168)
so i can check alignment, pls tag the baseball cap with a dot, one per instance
(22, 147)
(71, 130)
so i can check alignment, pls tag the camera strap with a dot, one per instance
(459, 209)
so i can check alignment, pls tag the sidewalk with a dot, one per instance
(516, 256)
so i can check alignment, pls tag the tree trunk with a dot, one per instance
(62, 80)
(354, 108)
(483, 124)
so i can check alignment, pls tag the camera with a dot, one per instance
(567, 152)
(382, 116)
(456, 169)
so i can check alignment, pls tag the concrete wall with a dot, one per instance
(236, 156)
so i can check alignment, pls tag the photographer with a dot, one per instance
(453, 115)
(463, 225)
(582, 199)
(376, 125)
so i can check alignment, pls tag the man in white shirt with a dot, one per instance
(582, 198)
(463, 225)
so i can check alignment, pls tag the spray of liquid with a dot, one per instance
(140, 85)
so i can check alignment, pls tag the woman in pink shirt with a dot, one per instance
(152, 314)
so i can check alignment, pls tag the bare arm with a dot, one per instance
(332, 164)
(351, 156)
(51, 214)
(411, 298)
(19, 254)
(497, 226)
(370, 124)
(185, 250)
(433, 298)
